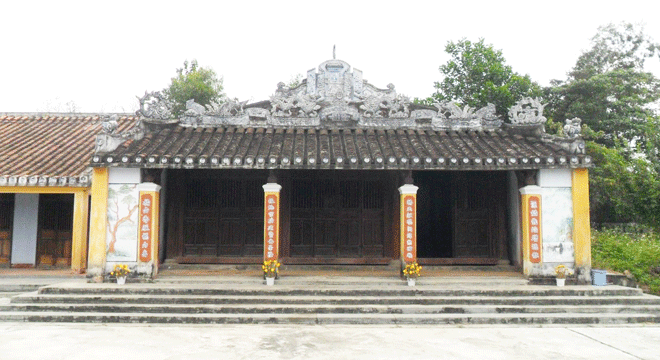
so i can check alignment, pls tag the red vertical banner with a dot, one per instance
(271, 226)
(534, 227)
(145, 225)
(409, 228)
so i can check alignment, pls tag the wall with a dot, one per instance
(26, 222)
(122, 216)
(513, 214)
(557, 220)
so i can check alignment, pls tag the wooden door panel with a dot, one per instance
(475, 222)
(325, 238)
(350, 239)
(231, 209)
(302, 237)
(55, 229)
(199, 234)
(328, 213)
(472, 238)
(230, 242)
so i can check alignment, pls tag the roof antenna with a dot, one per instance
(334, 57)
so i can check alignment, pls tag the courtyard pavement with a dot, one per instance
(26, 341)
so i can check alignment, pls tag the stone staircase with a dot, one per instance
(334, 300)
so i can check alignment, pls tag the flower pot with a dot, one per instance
(270, 281)
(121, 280)
(411, 281)
(561, 282)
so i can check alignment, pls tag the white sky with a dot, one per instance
(101, 55)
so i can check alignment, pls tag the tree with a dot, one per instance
(617, 100)
(193, 82)
(477, 74)
(608, 88)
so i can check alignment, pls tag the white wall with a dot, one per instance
(557, 221)
(555, 178)
(26, 222)
(124, 176)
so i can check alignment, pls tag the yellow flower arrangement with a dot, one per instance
(120, 270)
(412, 270)
(270, 268)
(562, 271)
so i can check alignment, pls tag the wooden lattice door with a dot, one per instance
(223, 217)
(55, 230)
(6, 221)
(476, 201)
(336, 218)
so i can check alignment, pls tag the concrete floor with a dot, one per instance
(27, 341)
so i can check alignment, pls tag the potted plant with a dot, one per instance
(120, 271)
(270, 268)
(412, 271)
(562, 272)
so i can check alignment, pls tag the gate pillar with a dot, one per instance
(408, 223)
(148, 229)
(272, 221)
(532, 233)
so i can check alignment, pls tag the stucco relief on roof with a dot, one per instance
(334, 95)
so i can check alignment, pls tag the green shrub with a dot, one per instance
(638, 253)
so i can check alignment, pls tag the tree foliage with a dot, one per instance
(622, 189)
(193, 82)
(608, 88)
(477, 74)
(617, 100)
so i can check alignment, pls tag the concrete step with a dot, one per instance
(434, 319)
(147, 299)
(329, 309)
(334, 291)
(333, 300)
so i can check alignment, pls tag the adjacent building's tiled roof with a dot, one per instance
(49, 149)
(314, 148)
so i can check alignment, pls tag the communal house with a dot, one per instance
(338, 171)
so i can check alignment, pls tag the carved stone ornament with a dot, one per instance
(226, 107)
(109, 138)
(450, 115)
(527, 111)
(573, 127)
(109, 124)
(154, 105)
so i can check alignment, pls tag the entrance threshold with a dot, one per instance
(458, 261)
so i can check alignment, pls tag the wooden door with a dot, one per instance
(6, 222)
(55, 230)
(223, 217)
(473, 205)
(334, 217)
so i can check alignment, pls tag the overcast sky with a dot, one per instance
(99, 56)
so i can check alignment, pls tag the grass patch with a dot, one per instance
(638, 253)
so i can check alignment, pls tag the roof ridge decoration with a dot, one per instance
(334, 95)
(527, 111)
(108, 139)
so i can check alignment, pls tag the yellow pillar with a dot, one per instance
(148, 228)
(581, 221)
(98, 221)
(532, 233)
(408, 224)
(79, 236)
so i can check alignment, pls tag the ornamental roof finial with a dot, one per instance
(334, 57)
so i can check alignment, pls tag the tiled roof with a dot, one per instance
(309, 148)
(49, 149)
